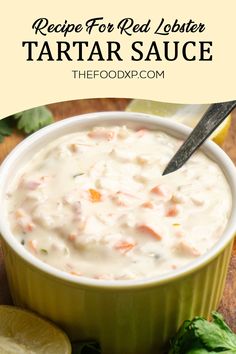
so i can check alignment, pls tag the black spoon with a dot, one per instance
(213, 117)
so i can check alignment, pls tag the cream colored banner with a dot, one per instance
(26, 84)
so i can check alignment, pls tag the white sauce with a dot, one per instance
(94, 204)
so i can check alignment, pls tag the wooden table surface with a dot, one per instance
(71, 108)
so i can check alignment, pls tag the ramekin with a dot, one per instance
(129, 316)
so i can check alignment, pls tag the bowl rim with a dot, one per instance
(173, 128)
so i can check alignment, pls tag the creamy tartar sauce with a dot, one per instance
(95, 204)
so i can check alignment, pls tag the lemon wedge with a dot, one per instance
(188, 114)
(23, 332)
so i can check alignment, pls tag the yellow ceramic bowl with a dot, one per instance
(129, 316)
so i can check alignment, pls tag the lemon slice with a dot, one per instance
(22, 332)
(188, 114)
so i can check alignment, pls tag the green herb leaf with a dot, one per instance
(219, 320)
(212, 336)
(198, 351)
(200, 337)
(184, 340)
(5, 128)
(33, 119)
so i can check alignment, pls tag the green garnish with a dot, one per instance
(27, 121)
(201, 337)
(33, 119)
(5, 128)
(42, 250)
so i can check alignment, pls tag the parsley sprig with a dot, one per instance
(201, 337)
(5, 128)
(28, 121)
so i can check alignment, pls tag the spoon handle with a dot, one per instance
(213, 117)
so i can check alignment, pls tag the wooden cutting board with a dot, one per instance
(71, 108)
